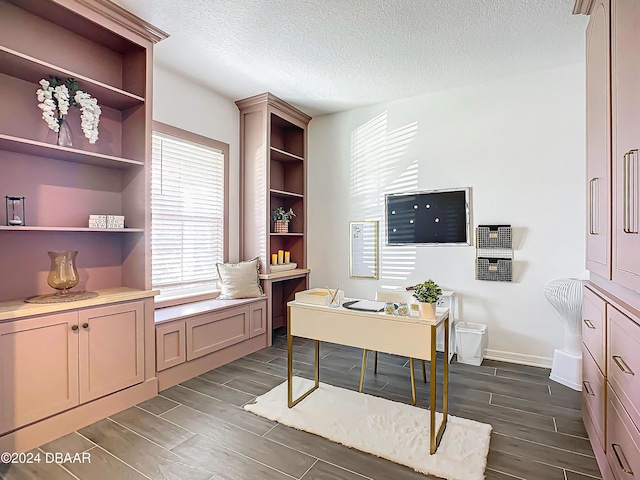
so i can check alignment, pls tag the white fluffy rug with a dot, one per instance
(392, 430)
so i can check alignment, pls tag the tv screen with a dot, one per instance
(430, 217)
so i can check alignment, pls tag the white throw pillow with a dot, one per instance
(239, 280)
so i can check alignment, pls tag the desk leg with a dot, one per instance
(290, 401)
(436, 437)
(413, 381)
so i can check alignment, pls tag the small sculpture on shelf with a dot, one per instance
(14, 210)
(281, 219)
(427, 293)
(56, 96)
(63, 274)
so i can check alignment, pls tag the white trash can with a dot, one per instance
(471, 342)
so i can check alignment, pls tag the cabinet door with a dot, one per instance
(625, 35)
(211, 332)
(594, 327)
(170, 345)
(598, 141)
(38, 368)
(258, 323)
(624, 361)
(111, 349)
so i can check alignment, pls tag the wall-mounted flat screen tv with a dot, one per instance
(428, 217)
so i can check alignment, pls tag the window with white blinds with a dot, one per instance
(187, 216)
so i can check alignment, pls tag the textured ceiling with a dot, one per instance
(327, 56)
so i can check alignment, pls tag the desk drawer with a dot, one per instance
(624, 361)
(593, 326)
(593, 394)
(623, 440)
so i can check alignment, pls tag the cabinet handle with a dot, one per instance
(594, 226)
(630, 191)
(622, 365)
(74, 327)
(85, 325)
(587, 388)
(620, 456)
(588, 323)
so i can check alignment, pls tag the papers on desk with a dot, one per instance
(364, 305)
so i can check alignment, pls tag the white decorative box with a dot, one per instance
(97, 221)
(319, 296)
(115, 221)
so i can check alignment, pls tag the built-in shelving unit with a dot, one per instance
(273, 150)
(109, 53)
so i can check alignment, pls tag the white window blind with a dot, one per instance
(187, 216)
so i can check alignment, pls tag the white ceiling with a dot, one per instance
(332, 55)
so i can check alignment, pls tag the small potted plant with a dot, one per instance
(427, 293)
(281, 219)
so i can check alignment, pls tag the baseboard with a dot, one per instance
(519, 358)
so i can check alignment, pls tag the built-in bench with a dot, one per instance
(194, 338)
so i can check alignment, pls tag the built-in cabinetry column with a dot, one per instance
(273, 170)
(598, 141)
(625, 79)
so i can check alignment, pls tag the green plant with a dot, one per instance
(427, 292)
(282, 215)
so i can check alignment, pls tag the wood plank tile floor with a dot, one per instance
(198, 430)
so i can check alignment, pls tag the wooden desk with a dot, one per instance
(407, 336)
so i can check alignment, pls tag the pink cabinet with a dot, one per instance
(38, 368)
(258, 319)
(593, 395)
(624, 361)
(623, 440)
(111, 349)
(625, 75)
(593, 327)
(210, 332)
(598, 141)
(170, 345)
(55, 362)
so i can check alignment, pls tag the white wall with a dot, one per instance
(517, 142)
(183, 104)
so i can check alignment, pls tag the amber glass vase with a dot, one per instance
(63, 274)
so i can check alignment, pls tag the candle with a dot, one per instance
(280, 257)
(287, 257)
(274, 259)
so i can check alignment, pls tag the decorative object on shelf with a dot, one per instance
(281, 219)
(63, 274)
(274, 259)
(284, 267)
(565, 296)
(363, 249)
(56, 96)
(55, 298)
(427, 293)
(115, 221)
(14, 210)
(287, 257)
(280, 257)
(97, 221)
(403, 309)
(389, 308)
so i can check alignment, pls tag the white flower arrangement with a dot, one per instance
(56, 96)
